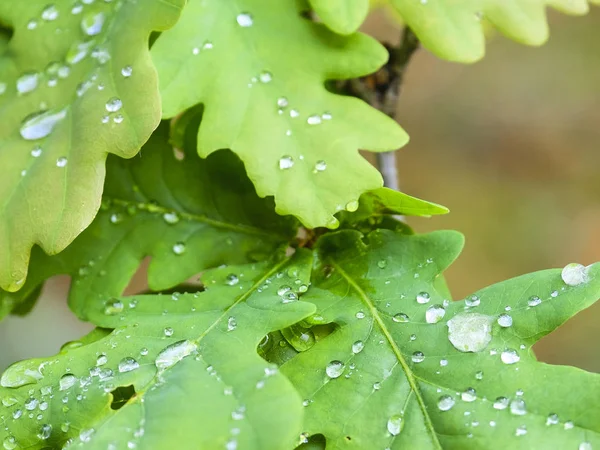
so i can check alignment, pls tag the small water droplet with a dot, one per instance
(171, 217)
(534, 300)
(114, 104)
(418, 357)
(168, 331)
(41, 124)
(50, 13)
(435, 313)
(61, 162)
(127, 71)
(358, 346)
(67, 381)
(27, 82)
(521, 431)
(232, 279)
(85, 435)
(517, 407)
(128, 364)
(314, 120)
(31, 403)
(505, 321)
(92, 23)
(45, 432)
(174, 353)
(231, 324)
(472, 301)
(286, 162)
(400, 318)
(282, 102)
(423, 297)
(469, 395)
(113, 306)
(585, 446)
(352, 206)
(510, 356)
(334, 369)
(179, 248)
(395, 424)
(265, 77)
(445, 403)
(443, 362)
(479, 375)
(574, 274)
(245, 20)
(552, 419)
(501, 403)
(9, 443)
(320, 166)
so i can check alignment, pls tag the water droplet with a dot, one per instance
(128, 364)
(574, 274)
(294, 113)
(534, 300)
(568, 425)
(501, 403)
(334, 369)
(118, 118)
(382, 263)
(27, 82)
(510, 356)
(114, 104)
(31, 403)
(171, 218)
(168, 331)
(443, 362)
(92, 23)
(521, 431)
(76, 53)
(326, 116)
(445, 403)
(518, 408)
(50, 13)
(418, 357)
(39, 125)
(479, 375)
(286, 162)
(231, 324)
(127, 71)
(358, 346)
(395, 424)
(470, 332)
(423, 297)
(469, 395)
(179, 248)
(320, 166)
(585, 446)
(282, 102)
(45, 432)
(265, 77)
(174, 353)
(61, 162)
(86, 435)
(400, 318)
(9, 443)
(67, 381)
(314, 120)
(207, 45)
(505, 321)
(245, 20)
(554, 294)
(232, 279)
(472, 301)
(552, 419)
(113, 306)
(434, 314)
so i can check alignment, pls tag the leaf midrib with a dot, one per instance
(411, 378)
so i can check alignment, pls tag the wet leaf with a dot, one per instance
(261, 74)
(76, 83)
(391, 374)
(181, 373)
(342, 16)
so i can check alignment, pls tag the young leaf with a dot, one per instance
(76, 83)
(342, 16)
(188, 215)
(261, 74)
(454, 31)
(176, 372)
(405, 368)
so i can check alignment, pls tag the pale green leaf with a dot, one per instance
(261, 74)
(400, 383)
(453, 30)
(188, 215)
(65, 66)
(342, 16)
(183, 372)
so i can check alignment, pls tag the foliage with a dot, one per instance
(292, 334)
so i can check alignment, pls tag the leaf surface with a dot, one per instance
(261, 74)
(76, 83)
(391, 374)
(341, 16)
(178, 371)
(188, 215)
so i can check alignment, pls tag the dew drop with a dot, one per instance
(505, 321)
(521, 431)
(445, 403)
(92, 23)
(510, 356)
(114, 104)
(231, 324)
(395, 424)
(360, 315)
(179, 248)
(334, 369)
(472, 301)
(45, 432)
(61, 162)
(352, 206)
(518, 408)
(67, 381)
(357, 347)
(286, 162)
(232, 279)
(501, 403)
(174, 353)
(31, 403)
(418, 357)
(245, 20)
(574, 274)
(9, 443)
(552, 419)
(282, 102)
(585, 446)
(435, 313)
(50, 13)
(113, 306)
(320, 166)
(423, 297)
(469, 395)
(85, 435)
(265, 77)
(27, 82)
(128, 364)
(168, 331)
(470, 332)
(171, 218)
(314, 120)
(400, 318)
(41, 124)
(534, 300)
(101, 360)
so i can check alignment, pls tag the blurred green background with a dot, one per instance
(511, 145)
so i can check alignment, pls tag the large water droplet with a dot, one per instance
(128, 364)
(334, 369)
(27, 82)
(9, 443)
(470, 332)
(574, 274)
(45, 432)
(92, 23)
(434, 314)
(67, 381)
(174, 353)
(19, 375)
(395, 424)
(40, 124)
(585, 446)
(245, 20)
(445, 403)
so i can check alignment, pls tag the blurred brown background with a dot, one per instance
(511, 145)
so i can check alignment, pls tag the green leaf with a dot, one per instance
(69, 68)
(454, 31)
(188, 215)
(342, 16)
(261, 74)
(390, 377)
(176, 372)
